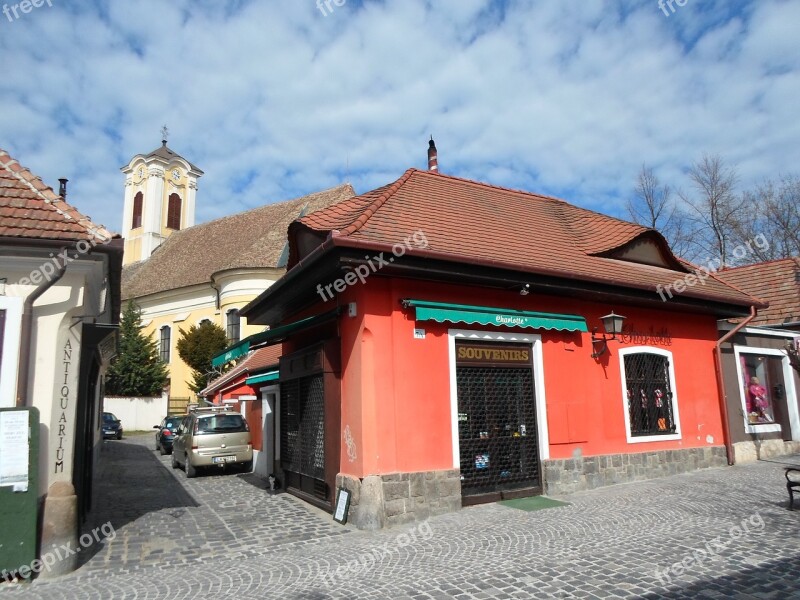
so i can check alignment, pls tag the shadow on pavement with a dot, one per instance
(775, 579)
(130, 482)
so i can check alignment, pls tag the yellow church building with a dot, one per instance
(180, 274)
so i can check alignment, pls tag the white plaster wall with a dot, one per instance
(137, 414)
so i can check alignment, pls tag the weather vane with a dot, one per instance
(164, 133)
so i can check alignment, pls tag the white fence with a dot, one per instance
(137, 414)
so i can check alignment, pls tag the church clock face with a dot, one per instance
(176, 175)
(141, 172)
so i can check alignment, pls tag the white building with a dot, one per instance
(59, 306)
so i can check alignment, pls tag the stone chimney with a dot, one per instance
(433, 162)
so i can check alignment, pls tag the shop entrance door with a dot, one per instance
(498, 446)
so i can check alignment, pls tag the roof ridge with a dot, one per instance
(49, 197)
(376, 204)
(793, 259)
(264, 206)
(488, 185)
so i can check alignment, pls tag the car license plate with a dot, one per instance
(223, 459)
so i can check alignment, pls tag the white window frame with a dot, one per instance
(540, 398)
(788, 378)
(640, 439)
(10, 356)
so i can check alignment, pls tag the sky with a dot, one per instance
(274, 99)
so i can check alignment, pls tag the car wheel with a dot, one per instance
(191, 471)
(161, 450)
(175, 464)
(247, 467)
(119, 435)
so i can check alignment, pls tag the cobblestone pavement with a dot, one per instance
(223, 536)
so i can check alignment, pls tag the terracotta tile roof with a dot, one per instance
(472, 222)
(251, 239)
(32, 210)
(777, 281)
(255, 362)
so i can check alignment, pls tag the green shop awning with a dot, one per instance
(270, 336)
(442, 312)
(268, 376)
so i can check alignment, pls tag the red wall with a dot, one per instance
(396, 389)
(251, 409)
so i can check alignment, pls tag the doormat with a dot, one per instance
(532, 503)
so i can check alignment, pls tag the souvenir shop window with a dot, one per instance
(762, 380)
(650, 402)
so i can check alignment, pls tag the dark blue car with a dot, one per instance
(112, 427)
(166, 433)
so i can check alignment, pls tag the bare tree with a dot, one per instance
(772, 211)
(652, 206)
(715, 209)
(794, 355)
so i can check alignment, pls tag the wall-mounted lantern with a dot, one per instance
(612, 324)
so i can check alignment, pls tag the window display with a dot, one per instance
(759, 377)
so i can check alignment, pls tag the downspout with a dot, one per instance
(25, 333)
(218, 300)
(723, 396)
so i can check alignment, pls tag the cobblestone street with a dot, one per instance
(224, 536)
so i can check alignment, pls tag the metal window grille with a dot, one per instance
(497, 429)
(649, 394)
(303, 426)
(164, 344)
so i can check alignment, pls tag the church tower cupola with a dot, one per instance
(160, 193)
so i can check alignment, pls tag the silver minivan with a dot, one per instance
(212, 437)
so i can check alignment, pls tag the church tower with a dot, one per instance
(160, 191)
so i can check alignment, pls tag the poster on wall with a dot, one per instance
(14, 450)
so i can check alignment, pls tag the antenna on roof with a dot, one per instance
(164, 135)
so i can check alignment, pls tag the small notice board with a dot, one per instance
(19, 460)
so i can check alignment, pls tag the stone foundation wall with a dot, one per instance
(751, 451)
(379, 501)
(565, 476)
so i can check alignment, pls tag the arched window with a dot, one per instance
(164, 343)
(138, 200)
(233, 326)
(174, 212)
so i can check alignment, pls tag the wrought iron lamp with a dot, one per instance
(612, 324)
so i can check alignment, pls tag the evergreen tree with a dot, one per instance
(197, 347)
(137, 370)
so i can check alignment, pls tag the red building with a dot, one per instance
(439, 349)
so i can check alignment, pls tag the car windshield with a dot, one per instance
(221, 423)
(172, 423)
(109, 418)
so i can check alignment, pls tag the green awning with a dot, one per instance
(442, 312)
(270, 336)
(268, 376)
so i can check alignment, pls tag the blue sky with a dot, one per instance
(274, 99)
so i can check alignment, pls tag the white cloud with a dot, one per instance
(273, 99)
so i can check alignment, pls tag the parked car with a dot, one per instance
(212, 437)
(166, 433)
(112, 427)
